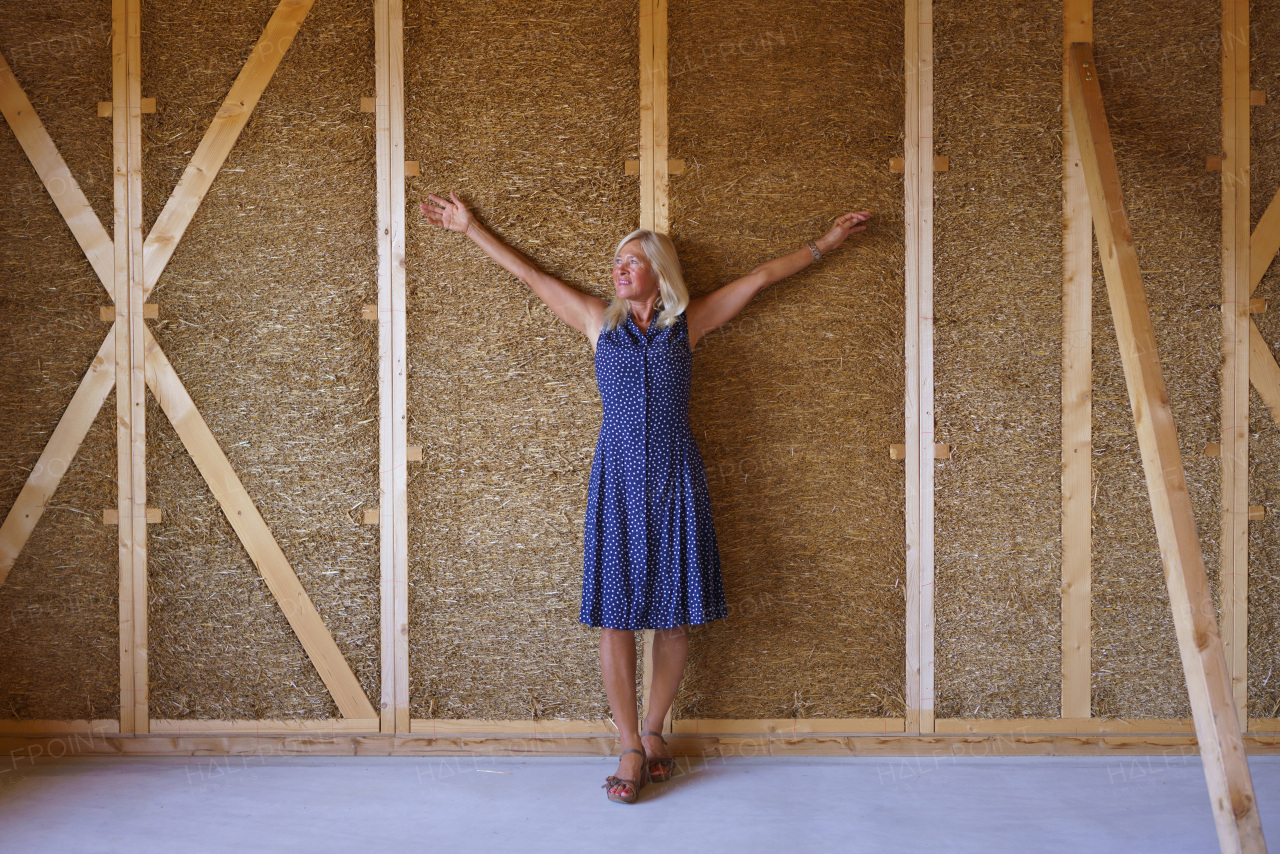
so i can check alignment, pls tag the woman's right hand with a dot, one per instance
(451, 215)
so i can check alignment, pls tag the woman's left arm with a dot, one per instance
(712, 310)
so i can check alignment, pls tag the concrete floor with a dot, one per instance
(744, 804)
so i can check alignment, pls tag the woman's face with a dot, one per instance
(633, 275)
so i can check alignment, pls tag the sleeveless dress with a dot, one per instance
(650, 559)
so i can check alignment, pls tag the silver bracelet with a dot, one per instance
(813, 247)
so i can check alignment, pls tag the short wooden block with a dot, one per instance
(104, 107)
(368, 105)
(150, 311)
(940, 452)
(413, 453)
(1258, 305)
(1257, 512)
(1257, 98)
(674, 167)
(369, 312)
(898, 164)
(941, 163)
(111, 516)
(411, 169)
(371, 516)
(1213, 449)
(1213, 164)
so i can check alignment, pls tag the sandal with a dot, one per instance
(631, 792)
(660, 770)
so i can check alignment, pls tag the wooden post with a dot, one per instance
(393, 506)
(1217, 726)
(1077, 392)
(918, 180)
(131, 454)
(653, 199)
(1234, 536)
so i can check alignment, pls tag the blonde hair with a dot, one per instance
(661, 254)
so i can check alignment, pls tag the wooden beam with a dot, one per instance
(654, 210)
(1264, 373)
(1077, 393)
(1217, 726)
(1264, 243)
(393, 507)
(222, 134)
(255, 535)
(131, 448)
(1234, 414)
(58, 452)
(918, 184)
(56, 177)
(335, 726)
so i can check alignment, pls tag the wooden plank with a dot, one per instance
(1065, 725)
(1077, 393)
(787, 726)
(58, 452)
(56, 177)
(948, 747)
(45, 727)
(1264, 243)
(1195, 620)
(131, 453)
(654, 209)
(918, 210)
(1233, 536)
(531, 727)
(255, 535)
(222, 134)
(334, 726)
(393, 515)
(1264, 373)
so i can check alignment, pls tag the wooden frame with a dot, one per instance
(1195, 621)
(918, 212)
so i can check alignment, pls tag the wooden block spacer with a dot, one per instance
(104, 107)
(369, 311)
(940, 452)
(371, 517)
(111, 516)
(674, 167)
(413, 454)
(411, 169)
(1258, 305)
(1257, 512)
(1213, 164)
(1213, 449)
(150, 311)
(368, 105)
(941, 163)
(1257, 98)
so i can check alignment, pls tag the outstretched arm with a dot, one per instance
(581, 311)
(712, 310)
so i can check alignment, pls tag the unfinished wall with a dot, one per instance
(260, 316)
(787, 118)
(1264, 437)
(532, 131)
(59, 617)
(997, 359)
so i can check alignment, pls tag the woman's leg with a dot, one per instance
(618, 667)
(670, 651)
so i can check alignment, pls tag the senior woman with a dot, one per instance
(650, 559)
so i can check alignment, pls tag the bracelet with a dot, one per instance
(813, 247)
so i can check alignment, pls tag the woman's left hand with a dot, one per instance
(842, 228)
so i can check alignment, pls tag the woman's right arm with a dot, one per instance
(583, 312)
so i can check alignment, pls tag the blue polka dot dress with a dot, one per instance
(650, 559)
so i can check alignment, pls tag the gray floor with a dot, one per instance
(477, 803)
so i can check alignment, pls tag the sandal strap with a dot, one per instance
(633, 750)
(653, 732)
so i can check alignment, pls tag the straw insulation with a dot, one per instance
(997, 254)
(59, 618)
(528, 110)
(787, 116)
(1264, 437)
(260, 316)
(1161, 76)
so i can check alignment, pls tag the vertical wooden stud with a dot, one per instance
(918, 181)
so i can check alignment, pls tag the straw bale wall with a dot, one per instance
(1264, 437)
(787, 117)
(530, 119)
(260, 316)
(59, 620)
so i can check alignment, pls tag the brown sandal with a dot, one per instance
(632, 791)
(660, 770)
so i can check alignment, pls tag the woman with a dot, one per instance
(651, 560)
